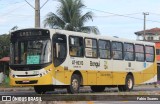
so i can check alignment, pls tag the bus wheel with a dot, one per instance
(39, 89)
(121, 87)
(97, 88)
(129, 83)
(75, 84)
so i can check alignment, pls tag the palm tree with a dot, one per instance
(69, 17)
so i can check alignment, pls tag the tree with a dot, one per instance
(69, 17)
(4, 45)
(14, 28)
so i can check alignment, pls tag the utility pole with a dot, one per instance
(144, 26)
(37, 13)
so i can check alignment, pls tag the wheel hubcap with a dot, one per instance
(75, 84)
(130, 83)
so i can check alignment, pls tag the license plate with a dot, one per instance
(25, 81)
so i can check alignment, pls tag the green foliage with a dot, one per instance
(70, 16)
(5, 83)
(4, 45)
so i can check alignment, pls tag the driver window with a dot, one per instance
(59, 49)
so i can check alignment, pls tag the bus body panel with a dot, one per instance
(94, 71)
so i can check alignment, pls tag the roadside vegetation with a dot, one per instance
(70, 16)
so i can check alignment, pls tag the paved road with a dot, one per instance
(109, 93)
(138, 90)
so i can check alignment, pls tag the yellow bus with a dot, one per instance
(52, 58)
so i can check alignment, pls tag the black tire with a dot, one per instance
(98, 88)
(40, 89)
(129, 83)
(121, 88)
(75, 84)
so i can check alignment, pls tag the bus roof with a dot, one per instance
(91, 35)
(103, 37)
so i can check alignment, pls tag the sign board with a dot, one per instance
(88, 52)
(88, 43)
(33, 59)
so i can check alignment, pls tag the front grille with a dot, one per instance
(28, 82)
(27, 75)
(28, 67)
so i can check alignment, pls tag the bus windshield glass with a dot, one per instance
(31, 52)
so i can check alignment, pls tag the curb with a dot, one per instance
(17, 89)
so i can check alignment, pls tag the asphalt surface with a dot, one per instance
(111, 94)
(138, 90)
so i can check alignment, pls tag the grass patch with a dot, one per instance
(5, 83)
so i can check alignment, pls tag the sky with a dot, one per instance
(119, 18)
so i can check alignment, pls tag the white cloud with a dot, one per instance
(3, 20)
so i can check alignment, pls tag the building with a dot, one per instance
(4, 68)
(152, 35)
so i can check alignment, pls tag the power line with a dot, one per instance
(37, 11)
(21, 16)
(10, 4)
(13, 3)
(12, 10)
(111, 14)
(108, 12)
(34, 7)
(116, 15)
(30, 4)
(8, 13)
(122, 15)
(44, 4)
(154, 13)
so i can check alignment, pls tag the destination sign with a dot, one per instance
(30, 33)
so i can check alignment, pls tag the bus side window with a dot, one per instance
(129, 52)
(104, 49)
(139, 52)
(76, 46)
(91, 49)
(117, 50)
(149, 53)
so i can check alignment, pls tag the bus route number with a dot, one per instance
(74, 62)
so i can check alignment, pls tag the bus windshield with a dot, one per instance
(31, 52)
